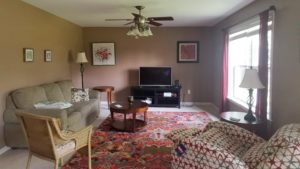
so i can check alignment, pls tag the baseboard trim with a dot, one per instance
(4, 149)
(187, 104)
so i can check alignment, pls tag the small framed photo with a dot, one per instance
(47, 55)
(188, 51)
(28, 54)
(103, 53)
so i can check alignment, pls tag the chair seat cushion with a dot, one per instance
(65, 148)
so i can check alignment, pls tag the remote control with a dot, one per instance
(234, 119)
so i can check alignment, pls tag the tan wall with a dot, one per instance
(286, 59)
(159, 50)
(25, 26)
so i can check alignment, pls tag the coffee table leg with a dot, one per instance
(145, 117)
(125, 121)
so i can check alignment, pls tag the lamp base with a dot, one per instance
(249, 117)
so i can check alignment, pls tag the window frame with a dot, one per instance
(243, 27)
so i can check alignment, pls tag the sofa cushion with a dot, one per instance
(65, 87)
(53, 92)
(74, 118)
(254, 155)
(283, 148)
(25, 98)
(89, 110)
(223, 141)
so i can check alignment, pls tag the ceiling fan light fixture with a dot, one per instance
(136, 31)
(149, 32)
(141, 23)
(142, 31)
(130, 32)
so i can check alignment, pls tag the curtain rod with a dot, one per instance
(271, 8)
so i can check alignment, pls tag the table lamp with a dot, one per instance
(81, 58)
(251, 81)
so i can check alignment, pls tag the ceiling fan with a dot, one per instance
(140, 20)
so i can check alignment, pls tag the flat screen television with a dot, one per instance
(155, 76)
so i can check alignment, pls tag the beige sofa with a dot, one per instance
(73, 118)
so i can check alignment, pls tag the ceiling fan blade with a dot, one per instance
(129, 23)
(135, 15)
(154, 23)
(118, 19)
(163, 18)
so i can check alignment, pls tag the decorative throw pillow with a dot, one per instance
(79, 95)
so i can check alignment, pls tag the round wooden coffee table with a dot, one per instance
(126, 108)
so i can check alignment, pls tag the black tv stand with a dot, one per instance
(160, 96)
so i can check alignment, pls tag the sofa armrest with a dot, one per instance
(61, 114)
(234, 131)
(94, 94)
(202, 154)
(177, 135)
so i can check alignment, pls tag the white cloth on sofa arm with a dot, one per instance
(52, 105)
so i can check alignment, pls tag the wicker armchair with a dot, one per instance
(223, 145)
(45, 139)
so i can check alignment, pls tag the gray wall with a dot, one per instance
(158, 50)
(286, 59)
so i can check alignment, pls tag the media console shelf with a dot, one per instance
(165, 96)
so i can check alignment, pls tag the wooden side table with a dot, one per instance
(251, 126)
(107, 89)
(126, 108)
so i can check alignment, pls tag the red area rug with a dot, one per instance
(146, 148)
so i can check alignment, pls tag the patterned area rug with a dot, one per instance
(146, 148)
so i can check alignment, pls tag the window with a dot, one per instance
(243, 49)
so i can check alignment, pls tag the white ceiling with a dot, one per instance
(92, 13)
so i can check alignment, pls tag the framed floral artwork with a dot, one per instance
(47, 55)
(28, 54)
(187, 51)
(103, 53)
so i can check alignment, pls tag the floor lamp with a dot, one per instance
(81, 58)
(251, 81)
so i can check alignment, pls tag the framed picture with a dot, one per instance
(47, 55)
(28, 54)
(103, 53)
(188, 51)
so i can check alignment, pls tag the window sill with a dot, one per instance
(239, 104)
(244, 106)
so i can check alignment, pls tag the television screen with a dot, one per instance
(155, 76)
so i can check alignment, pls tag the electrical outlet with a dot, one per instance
(189, 91)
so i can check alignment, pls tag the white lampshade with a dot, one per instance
(81, 58)
(251, 80)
